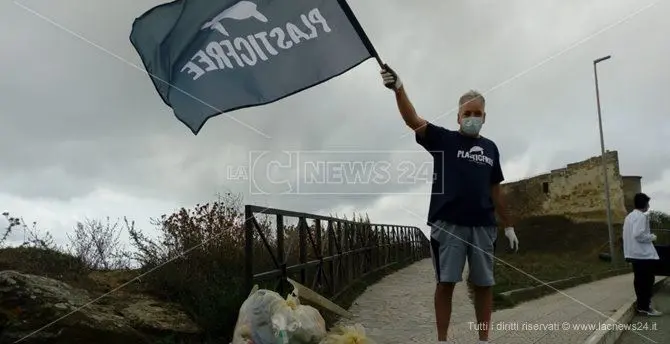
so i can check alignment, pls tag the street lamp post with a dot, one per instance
(613, 255)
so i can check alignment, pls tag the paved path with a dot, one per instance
(399, 309)
(651, 330)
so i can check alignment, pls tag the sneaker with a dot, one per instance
(651, 312)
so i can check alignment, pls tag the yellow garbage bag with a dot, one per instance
(353, 334)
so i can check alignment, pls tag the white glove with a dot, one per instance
(653, 237)
(390, 78)
(513, 241)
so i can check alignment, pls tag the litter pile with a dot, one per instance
(267, 318)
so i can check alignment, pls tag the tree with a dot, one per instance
(659, 220)
(97, 244)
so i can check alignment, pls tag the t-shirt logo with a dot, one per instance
(476, 155)
(476, 150)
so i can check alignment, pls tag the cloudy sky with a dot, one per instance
(84, 133)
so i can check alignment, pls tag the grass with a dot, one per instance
(534, 269)
(48, 263)
(552, 248)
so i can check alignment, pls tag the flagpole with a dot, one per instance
(359, 30)
(379, 61)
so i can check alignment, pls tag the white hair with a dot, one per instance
(470, 96)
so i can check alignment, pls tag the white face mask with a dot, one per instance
(472, 125)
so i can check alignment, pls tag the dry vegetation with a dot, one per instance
(196, 260)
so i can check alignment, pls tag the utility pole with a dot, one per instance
(613, 254)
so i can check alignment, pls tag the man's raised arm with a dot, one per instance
(409, 115)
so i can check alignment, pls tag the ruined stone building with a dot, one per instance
(575, 191)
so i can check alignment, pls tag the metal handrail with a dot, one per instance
(353, 249)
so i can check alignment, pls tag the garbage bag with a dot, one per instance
(264, 318)
(284, 322)
(353, 334)
(311, 327)
(267, 318)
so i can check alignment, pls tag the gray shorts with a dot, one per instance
(451, 244)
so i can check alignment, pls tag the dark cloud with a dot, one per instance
(78, 120)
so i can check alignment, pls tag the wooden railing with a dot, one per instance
(332, 253)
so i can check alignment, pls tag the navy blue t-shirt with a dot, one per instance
(464, 170)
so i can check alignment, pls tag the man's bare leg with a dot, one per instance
(443, 297)
(483, 310)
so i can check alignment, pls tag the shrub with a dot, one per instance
(38, 254)
(660, 225)
(11, 224)
(33, 236)
(197, 261)
(98, 245)
(659, 219)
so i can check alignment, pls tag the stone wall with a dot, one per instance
(631, 186)
(575, 191)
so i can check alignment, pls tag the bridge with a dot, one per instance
(383, 274)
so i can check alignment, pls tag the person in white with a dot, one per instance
(639, 249)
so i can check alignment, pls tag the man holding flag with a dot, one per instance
(207, 57)
(466, 193)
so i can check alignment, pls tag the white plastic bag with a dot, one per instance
(267, 318)
(311, 327)
(257, 317)
(348, 335)
(283, 322)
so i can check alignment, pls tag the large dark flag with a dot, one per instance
(207, 57)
